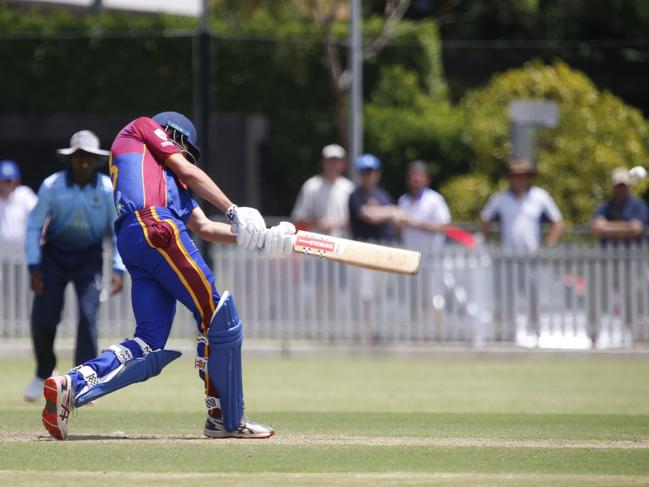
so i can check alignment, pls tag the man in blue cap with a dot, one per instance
(371, 210)
(371, 214)
(64, 244)
(152, 169)
(16, 201)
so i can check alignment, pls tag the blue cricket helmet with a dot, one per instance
(184, 126)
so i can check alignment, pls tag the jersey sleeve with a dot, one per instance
(443, 214)
(601, 211)
(27, 197)
(300, 211)
(550, 208)
(185, 207)
(111, 216)
(355, 204)
(640, 212)
(491, 209)
(35, 223)
(155, 139)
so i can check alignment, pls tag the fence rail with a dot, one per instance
(570, 296)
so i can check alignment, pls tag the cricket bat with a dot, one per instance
(360, 254)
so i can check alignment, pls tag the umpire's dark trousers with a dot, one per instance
(84, 270)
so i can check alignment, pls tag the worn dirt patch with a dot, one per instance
(306, 440)
(16, 478)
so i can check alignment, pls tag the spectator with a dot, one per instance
(16, 201)
(64, 244)
(425, 211)
(321, 205)
(521, 209)
(371, 210)
(371, 213)
(623, 218)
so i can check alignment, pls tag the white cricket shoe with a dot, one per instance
(249, 429)
(34, 390)
(59, 403)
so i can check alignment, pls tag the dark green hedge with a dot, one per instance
(55, 60)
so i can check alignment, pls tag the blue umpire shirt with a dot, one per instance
(72, 220)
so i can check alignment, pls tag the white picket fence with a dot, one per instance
(570, 296)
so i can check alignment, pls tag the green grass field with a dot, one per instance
(532, 420)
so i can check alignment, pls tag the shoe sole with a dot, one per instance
(50, 416)
(226, 434)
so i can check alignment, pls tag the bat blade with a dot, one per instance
(360, 254)
(461, 236)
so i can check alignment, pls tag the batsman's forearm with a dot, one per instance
(217, 232)
(207, 189)
(198, 181)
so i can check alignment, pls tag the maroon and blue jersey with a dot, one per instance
(140, 177)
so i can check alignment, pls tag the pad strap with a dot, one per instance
(212, 403)
(88, 374)
(122, 353)
(136, 370)
(146, 350)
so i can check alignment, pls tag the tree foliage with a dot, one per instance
(269, 61)
(409, 116)
(597, 132)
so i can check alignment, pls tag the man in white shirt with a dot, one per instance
(425, 211)
(322, 205)
(521, 210)
(16, 201)
(423, 216)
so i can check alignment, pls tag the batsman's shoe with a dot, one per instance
(59, 403)
(34, 389)
(249, 429)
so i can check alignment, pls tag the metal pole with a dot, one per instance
(202, 107)
(356, 105)
(202, 102)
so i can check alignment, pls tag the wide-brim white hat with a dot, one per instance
(85, 141)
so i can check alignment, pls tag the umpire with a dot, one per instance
(64, 244)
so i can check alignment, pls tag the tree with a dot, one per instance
(326, 13)
(597, 132)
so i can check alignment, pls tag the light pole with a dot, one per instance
(356, 102)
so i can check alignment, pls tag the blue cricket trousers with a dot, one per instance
(165, 266)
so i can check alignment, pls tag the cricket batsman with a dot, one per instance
(152, 167)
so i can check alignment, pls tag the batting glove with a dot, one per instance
(248, 225)
(279, 241)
